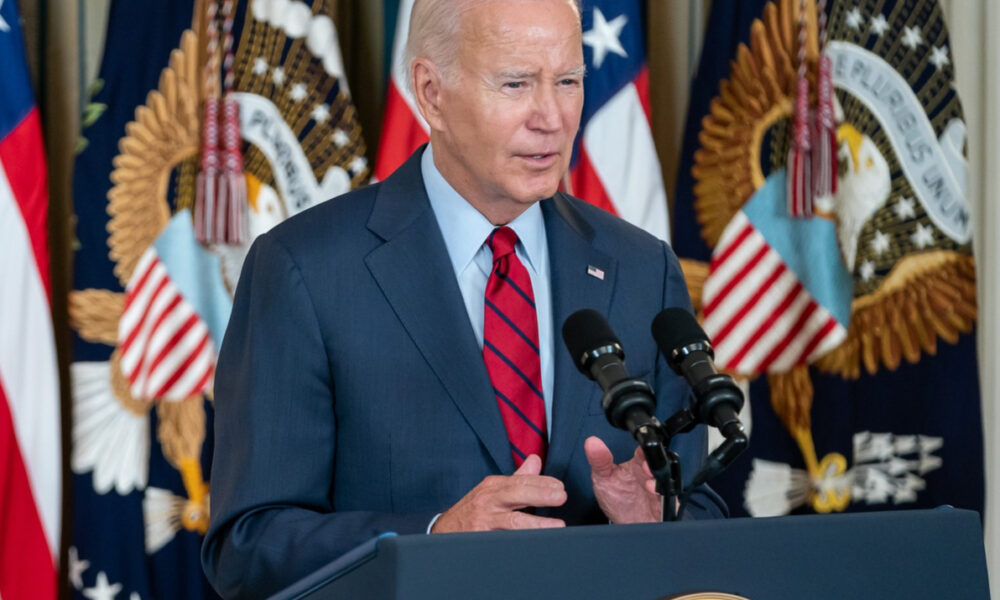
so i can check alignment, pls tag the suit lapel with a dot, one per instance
(413, 271)
(572, 259)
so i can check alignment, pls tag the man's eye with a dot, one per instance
(514, 85)
(570, 82)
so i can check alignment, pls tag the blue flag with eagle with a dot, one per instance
(152, 296)
(853, 326)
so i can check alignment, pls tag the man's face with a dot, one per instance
(511, 107)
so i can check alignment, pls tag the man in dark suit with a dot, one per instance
(391, 360)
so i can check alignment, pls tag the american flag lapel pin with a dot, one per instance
(595, 272)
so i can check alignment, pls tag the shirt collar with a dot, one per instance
(465, 229)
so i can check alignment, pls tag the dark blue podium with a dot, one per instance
(932, 554)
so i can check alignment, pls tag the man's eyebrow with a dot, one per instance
(516, 74)
(578, 71)
(575, 72)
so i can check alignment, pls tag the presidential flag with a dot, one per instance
(154, 274)
(614, 162)
(852, 321)
(30, 469)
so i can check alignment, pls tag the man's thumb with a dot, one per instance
(531, 466)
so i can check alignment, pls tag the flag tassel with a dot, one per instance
(799, 158)
(207, 183)
(232, 209)
(825, 153)
(825, 156)
(221, 197)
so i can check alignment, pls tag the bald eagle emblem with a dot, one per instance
(878, 273)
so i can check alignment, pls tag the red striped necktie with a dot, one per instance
(510, 348)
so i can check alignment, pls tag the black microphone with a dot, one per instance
(628, 403)
(717, 399)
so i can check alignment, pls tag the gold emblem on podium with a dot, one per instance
(705, 596)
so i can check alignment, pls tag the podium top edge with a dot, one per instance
(958, 516)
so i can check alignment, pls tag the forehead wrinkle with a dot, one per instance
(477, 26)
(504, 34)
(521, 49)
(493, 46)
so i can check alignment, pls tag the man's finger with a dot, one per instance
(602, 462)
(520, 520)
(521, 491)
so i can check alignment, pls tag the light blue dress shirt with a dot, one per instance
(465, 230)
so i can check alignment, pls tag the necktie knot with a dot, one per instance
(501, 242)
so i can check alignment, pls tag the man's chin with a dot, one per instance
(536, 193)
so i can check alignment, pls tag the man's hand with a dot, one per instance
(626, 492)
(495, 502)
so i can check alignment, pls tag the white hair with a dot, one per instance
(433, 32)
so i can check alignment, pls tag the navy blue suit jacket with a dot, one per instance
(351, 396)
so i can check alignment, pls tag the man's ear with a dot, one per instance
(427, 84)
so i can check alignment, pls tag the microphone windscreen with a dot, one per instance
(586, 330)
(675, 328)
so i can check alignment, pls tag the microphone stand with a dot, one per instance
(665, 466)
(654, 439)
(733, 445)
(629, 404)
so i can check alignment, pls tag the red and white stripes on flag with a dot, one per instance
(166, 348)
(30, 465)
(617, 167)
(757, 313)
(403, 129)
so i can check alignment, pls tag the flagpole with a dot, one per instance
(696, 19)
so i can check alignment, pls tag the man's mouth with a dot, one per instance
(541, 159)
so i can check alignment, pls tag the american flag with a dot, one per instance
(30, 466)
(615, 164)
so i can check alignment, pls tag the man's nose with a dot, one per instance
(545, 115)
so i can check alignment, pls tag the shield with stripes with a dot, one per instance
(777, 294)
(174, 315)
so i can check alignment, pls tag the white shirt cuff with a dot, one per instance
(433, 521)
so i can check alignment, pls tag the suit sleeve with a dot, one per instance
(673, 391)
(272, 481)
